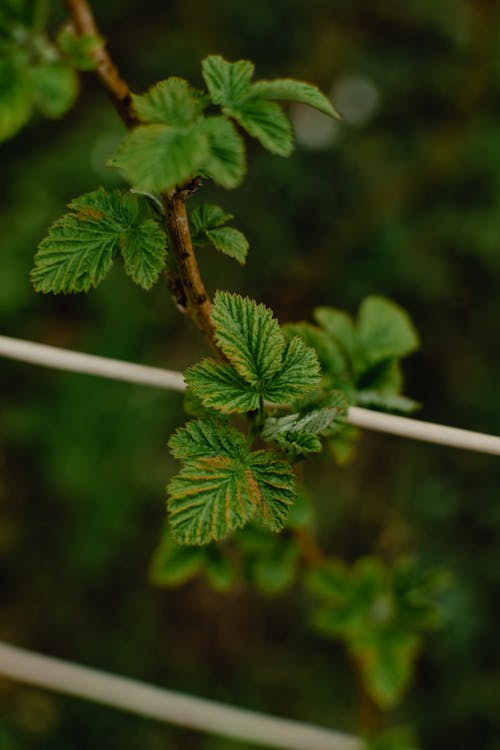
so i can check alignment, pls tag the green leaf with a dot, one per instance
(173, 565)
(81, 246)
(265, 121)
(79, 49)
(170, 102)
(396, 738)
(299, 373)
(16, 93)
(55, 88)
(225, 161)
(384, 330)
(220, 387)
(207, 222)
(277, 488)
(310, 423)
(222, 485)
(329, 353)
(156, 158)
(205, 438)
(274, 572)
(219, 569)
(227, 82)
(391, 402)
(386, 662)
(297, 91)
(298, 445)
(340, 327)
(249, 336)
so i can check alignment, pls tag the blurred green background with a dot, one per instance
(401, 199)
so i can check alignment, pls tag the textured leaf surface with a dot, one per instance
(220, 387)
(225, 161)
(277, 488)
(231, 242)
(205, 438)
(169, 102)
(81, 245)
(385, 330)
(297, 91)
(300, 372)
(227, 82)
(207, 222)
(249, 336)
(158, 157)
(310, 423)
(206, 217)
(267, 122)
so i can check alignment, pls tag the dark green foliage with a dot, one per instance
(82, 245)
(378, 612)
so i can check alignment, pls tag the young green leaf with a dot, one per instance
(220, 387)
(203, 438)
(297, 91)
(227, 82)
(249, 336)
(170, 102)
(277, 488)
(300, 373)
(79, 49)
(81, 246)
(208, 221)
(225, 161)
(155, 158)
(55, 87)
(265, 121)
(384, 330)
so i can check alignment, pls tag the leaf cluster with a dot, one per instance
(82, 245)
(180, 137)
(379, 613)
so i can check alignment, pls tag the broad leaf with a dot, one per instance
(203, 438)
(55, 87)
(340, 328)
(297, 91)
(227, 82)
(220, 387)
(81, 246)
(249, 336)
(169, 102)
(225, 161)
(384, 330)
(155, 158)
(310, 423)
(206, 217)
(267, 122)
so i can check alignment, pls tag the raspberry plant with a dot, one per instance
(270, 395)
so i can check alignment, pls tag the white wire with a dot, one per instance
(168, 706)
(62, 359)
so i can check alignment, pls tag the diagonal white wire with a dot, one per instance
(168, 706)
(63, 359)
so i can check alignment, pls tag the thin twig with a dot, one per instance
(185, 282)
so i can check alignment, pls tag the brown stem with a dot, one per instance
(185, 281)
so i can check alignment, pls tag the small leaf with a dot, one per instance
(79, 49)
(310, 423)
(384, 330)
(297, 91)
(156, 158)
(227, 82)
(277, 487)
(173, 565)
(391, 402)
(298, 445)
(207, 222)
(81, 246)
(201, 438)
(169, 102)
(16, 91)
(225, 161)
(220, 387)
(265, 121)
(55, 87)
(249, 336)
(299, 373)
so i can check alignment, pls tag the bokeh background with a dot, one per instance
(401, 199)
